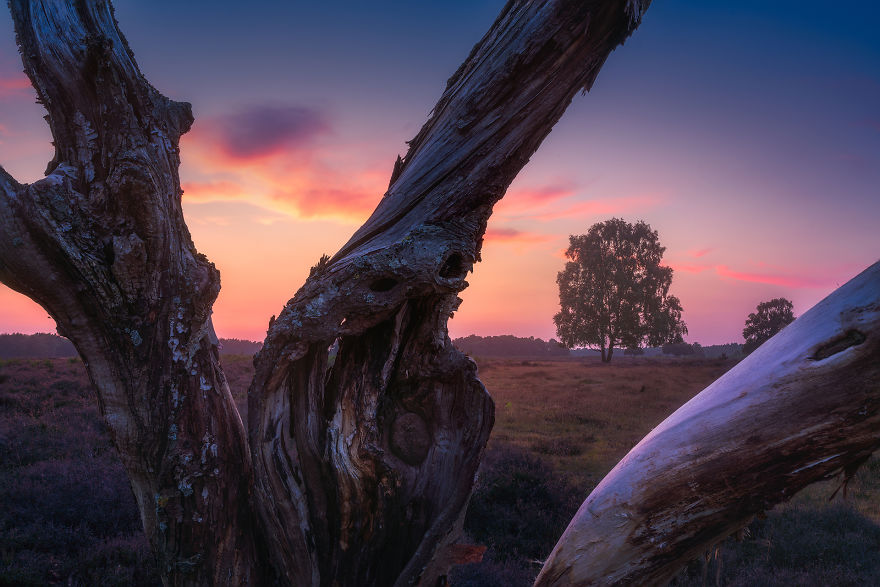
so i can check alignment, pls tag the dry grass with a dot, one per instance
(583, 416)
(67, 514)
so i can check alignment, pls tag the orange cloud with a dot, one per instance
(288, 169)
(213, 191)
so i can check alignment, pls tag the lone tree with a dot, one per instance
(768, 319)
(614, 292)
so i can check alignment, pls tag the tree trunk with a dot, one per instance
(374, 457)
(803, 407)
(101, 244)
(361, 471)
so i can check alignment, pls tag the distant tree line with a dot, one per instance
(684, 349)
(508, 345)
(35, 346)
(238, 346)
(50, 346)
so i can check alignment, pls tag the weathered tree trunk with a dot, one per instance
(803, 407)
(364, 468)
(361, 470)
(101, 244)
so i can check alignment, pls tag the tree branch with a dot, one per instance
(374, 457)
(803, 407)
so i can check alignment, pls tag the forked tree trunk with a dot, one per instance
(361, 471)
(803, 407)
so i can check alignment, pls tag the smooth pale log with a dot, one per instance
(805, 406)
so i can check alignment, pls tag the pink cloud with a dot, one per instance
(516, 236)
(600, 207)
(697, 253)
(793, 281)
(540, 196)
(14, 85)
(689, 267)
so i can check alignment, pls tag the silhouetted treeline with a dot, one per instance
(237, 346)
(507, 345)
(35, 346)
(49, 346)
(715, 351)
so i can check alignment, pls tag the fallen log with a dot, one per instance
(805, 406)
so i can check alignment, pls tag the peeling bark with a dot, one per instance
(361, 469)
(805, 406)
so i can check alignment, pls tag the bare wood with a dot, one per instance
(803, 407)
(363, 469)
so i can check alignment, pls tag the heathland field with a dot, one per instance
(68, 517)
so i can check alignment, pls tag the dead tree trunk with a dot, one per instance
(101, 244)
(360, 470)
(805, 406)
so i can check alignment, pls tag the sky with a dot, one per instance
(747, 134)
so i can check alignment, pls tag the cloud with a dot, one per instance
(566, 199)
(231, 213)
(762, 273)
(272, 156)
(697, 253)
(348, 202)
(690, 267)
(516, 236)
(793, 281)
(262, 131)
(600, 207)
(206, 191)
(14, 85)
(527, 198)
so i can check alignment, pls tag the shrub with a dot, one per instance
(519, 507)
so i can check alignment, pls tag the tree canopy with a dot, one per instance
(768, 319)
(614, 292)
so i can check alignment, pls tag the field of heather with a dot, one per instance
(68, 517)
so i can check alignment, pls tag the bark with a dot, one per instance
(803, 407)
(101, 244)
(361, 470)
(364, 467)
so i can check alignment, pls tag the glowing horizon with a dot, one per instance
(760, 180)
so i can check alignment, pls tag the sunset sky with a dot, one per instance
(747, 134)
